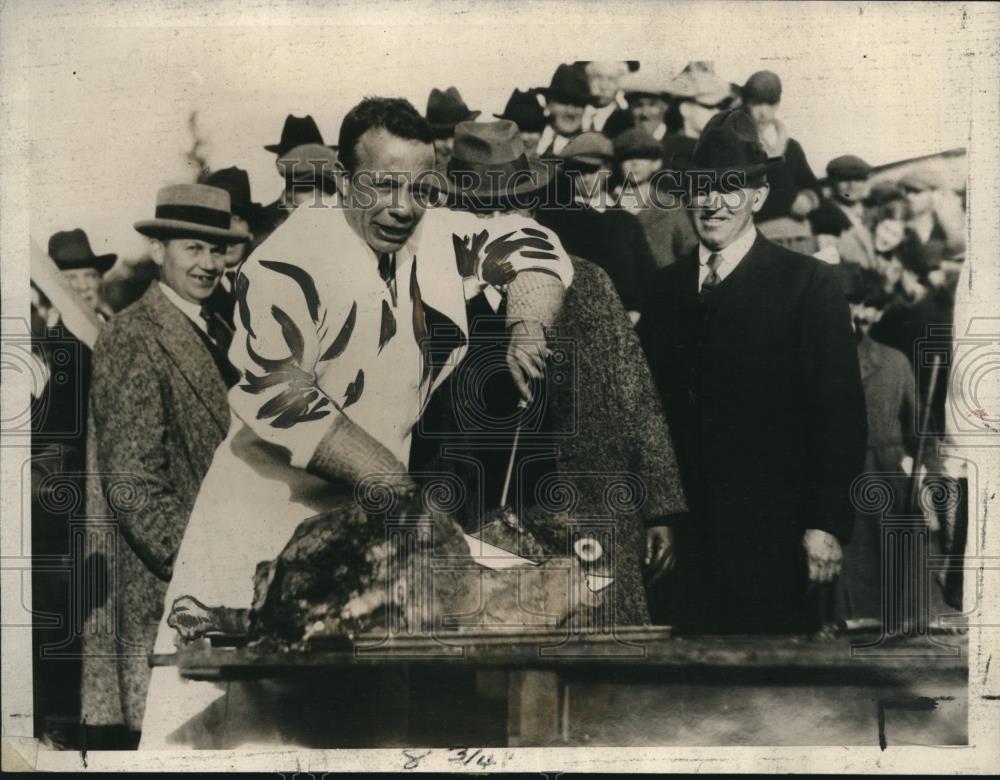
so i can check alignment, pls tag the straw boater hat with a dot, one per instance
(489, 157)
(71, 250)
(192, 211)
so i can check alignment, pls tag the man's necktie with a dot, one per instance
(387, 270)
(712, 280)
(218, 330)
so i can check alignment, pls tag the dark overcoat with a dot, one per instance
(762, 390)
(612, 460)
(158, 411)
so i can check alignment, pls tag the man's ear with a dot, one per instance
(759, 196)
(157, 250)
(340, 179)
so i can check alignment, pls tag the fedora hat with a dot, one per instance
(488, 161)
(192, 211)
(569, 85)
(446, 109)
(637, 144)
(308, 164)
(524, 110)
(296, 131)
(729, 143)
(699, 83)
(236, 182)
(70, 250)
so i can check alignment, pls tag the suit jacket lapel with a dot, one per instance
(175, 334)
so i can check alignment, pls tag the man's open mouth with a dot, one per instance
(714, 219)
(395, 233)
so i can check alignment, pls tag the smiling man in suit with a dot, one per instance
(752, 348)
(158, 411)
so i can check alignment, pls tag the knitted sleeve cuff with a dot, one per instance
(534, 296)
(349, 453)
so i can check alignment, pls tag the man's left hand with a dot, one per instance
(823, 555)
(526, 355)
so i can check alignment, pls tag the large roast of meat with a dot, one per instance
(346, 572)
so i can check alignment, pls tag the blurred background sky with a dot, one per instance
(110, 89)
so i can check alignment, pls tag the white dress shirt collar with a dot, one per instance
(731, 255)
(192, 310)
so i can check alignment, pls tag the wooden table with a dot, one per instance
(637, 686)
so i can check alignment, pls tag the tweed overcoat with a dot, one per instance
(157, 413)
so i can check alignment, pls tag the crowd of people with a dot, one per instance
(737, 332)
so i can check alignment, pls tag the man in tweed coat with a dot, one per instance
(158, 410)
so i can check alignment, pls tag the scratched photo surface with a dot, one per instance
(420, 387)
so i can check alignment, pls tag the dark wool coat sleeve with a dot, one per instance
(131, 428)
(835, 405)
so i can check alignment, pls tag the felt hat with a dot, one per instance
(192, 211)
(488, 161)
(524, 110)
(762, 87)
(592, 149)
(70, 249)
(236, 182)
(636, 144)
(569, 85)
(446, 109)
(699, 83)
(920, 179)
(651, 81)
(308, 163)
(296, 131)
(729, 144)
(848, 167)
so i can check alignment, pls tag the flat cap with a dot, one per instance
(590, 148)
(848, 167)
(762, 87)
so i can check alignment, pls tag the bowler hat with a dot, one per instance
(590, 149)
(524, 110)
(699, 83)
(308, 164)
(70, 250)
(192, 211)
(488, 161)
(637, 144)
(762, 87)
(296, 131)
(446, 109)
(729, 143)
(848, 167)
(236, 182)
(569, 85)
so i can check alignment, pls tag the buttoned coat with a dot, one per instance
(762, 391)
(157, 413)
